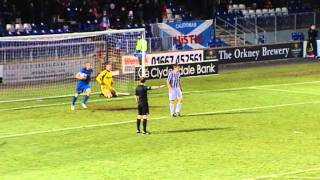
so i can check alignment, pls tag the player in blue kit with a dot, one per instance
(83, 85)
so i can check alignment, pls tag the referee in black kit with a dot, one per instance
(143, 106)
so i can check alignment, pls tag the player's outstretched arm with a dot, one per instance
(157, 87)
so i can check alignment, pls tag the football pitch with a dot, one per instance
(249, 123)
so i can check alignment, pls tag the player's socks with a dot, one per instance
(74, 99)
(85, 99)
(171, 105)
(138, 125)
(144, 123)
(178, 108)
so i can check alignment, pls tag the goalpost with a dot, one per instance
(43, 66)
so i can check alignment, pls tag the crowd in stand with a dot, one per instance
(56, 16)
(114, 14)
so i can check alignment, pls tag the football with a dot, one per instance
(83, 75)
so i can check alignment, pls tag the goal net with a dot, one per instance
(39, 67)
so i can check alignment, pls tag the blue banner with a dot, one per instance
(188, 34)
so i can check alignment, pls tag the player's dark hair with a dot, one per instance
(142, 80)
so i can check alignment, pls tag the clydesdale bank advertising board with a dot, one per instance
(187, 69)
(256, 53)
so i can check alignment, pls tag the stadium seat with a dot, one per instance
(235, 7)
(19, 27)
(10, 28)
(35, 32)
(245, 13)
(278, 12)
(265, 12)
(178, 46)
(271, 12)
(242, 6)
(252, 13)
(261, 39)
(27, 27)
(259, 13)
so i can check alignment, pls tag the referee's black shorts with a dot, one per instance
(143, 109)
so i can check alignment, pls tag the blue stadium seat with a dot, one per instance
(178, 46)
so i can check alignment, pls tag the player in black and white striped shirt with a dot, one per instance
(175, 91)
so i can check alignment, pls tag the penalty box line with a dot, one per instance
(188, 92)
(159, 118)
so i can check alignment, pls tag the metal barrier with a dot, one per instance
(278, 23)
(235, 33)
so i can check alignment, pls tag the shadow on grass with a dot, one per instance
(193, 130)
(2, 144)
(221, 113)
(108, 108)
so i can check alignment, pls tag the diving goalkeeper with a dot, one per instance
(106, 81)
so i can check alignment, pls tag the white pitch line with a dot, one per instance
(159, 118)
(228, 89)
(51, 97)
(284, 174)
(61, 104)
(284, 90)
(187, 92)
(297, 177)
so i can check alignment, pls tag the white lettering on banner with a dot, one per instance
(246, 53)
(206, 69)
(38, 71)
(243, 53)
(186, 25)
(189, 69)
(223, 54)
(275, 52)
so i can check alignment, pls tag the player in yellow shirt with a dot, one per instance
(106, 81)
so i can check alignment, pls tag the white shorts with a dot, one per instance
(175, 93)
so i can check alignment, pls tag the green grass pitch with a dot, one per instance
(251, 123)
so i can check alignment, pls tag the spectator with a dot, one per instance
(83, 11)
(104, 21)
(268, 4)
(139, 13)
(1, 27)
(313, 34)
(148, 11)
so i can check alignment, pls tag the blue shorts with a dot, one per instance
(175, 93)
(82, 88)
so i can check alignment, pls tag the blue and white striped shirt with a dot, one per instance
(174, 79)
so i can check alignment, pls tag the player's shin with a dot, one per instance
(85, 99)
(178, 108)
(144, 122)
(171, 107)
(74, 99)
(138, 124)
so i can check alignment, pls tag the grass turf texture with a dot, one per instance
(219, 144)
